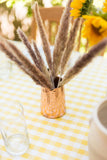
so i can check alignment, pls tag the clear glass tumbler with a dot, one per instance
(13, 128)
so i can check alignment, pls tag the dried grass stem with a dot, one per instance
(70, 44)
(61, 38)
(81, 63)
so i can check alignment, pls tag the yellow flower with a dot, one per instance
(80, 7)
(95, 29)
(105, 6)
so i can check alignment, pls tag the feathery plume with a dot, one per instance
(40, 76)
(40, 60)
(9, 54)
(70, 44)
(27, 64)
(28, 46)
(61, 38)
(45, 42)
(81, 63)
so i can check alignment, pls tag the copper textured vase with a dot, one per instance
(53, 102)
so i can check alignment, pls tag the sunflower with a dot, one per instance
(105, 6)
(95, 29)
(80, 7)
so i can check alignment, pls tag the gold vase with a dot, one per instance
(53, 102)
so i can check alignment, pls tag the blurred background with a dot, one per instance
(18, 13)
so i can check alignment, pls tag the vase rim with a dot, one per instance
(54, 88)
(96, 118)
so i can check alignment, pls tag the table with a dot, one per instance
(64, 138)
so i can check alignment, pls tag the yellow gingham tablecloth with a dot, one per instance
(64, 138)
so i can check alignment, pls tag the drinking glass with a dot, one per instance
(13, 128)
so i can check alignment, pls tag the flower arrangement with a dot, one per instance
(56, 75)
(95, 20)
(53, 78)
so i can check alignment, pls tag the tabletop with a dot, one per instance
(65, 138)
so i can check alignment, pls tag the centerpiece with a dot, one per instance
(52, 78)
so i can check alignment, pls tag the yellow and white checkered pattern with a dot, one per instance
(64, 138)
